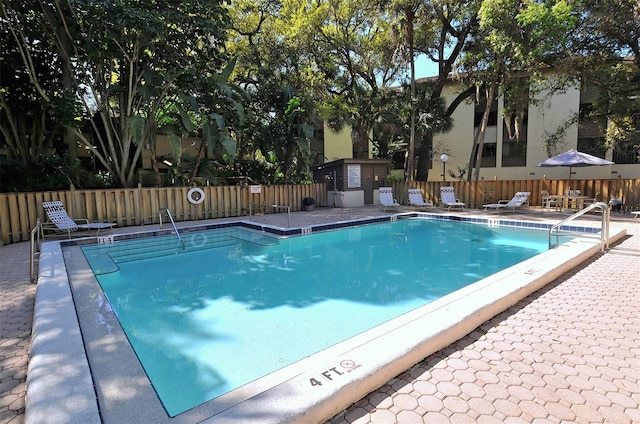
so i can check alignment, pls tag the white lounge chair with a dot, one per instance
(416, 200)
(386, 198)
(448, 198)
(520, 199)
(60, 221)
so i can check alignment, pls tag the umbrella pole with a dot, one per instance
(570, 172)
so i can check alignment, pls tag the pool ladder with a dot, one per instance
(172, 223)
(604, 225)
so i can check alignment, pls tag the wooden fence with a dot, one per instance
(476, 194)
(141, 206)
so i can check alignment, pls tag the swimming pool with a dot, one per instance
(198, 316)
(310, 390)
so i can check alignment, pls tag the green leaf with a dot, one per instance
(239, 108)
(186, 121)
(219, 120)
(307, 130)
(226, 72)
(210, 135)
(176, 145)
(136, 124)
(229, 145)
(191, 100)
(303, 145)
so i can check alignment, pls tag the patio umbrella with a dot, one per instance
(573, 158)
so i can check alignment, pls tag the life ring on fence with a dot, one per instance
(193, 199)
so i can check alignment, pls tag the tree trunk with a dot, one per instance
(410, 156)
(424, 156)
(483, 130)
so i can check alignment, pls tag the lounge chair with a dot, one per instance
(520, 199)
(59, 220)
(416, 200)
(448, 198)
(386, 198)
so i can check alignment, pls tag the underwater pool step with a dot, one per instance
(117, 251)
(105, 262)
(106, 257)
(155, 243)
(175, 249)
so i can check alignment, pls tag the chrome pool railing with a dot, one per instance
(604, 225)
(288, 208)
(172, 223)
(34, 248)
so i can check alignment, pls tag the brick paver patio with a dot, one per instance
(568, 353)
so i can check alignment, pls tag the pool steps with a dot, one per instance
(106, 257)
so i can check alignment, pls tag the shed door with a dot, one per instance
(367, 184)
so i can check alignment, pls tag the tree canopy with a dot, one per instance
(256, 80)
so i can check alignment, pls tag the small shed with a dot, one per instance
(352, 182)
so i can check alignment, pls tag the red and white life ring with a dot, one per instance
(195, 199)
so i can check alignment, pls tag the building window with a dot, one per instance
(593, 146)
(627, 149)
(626, 154)
(514, 127)
(514, 154)
(489, 148)
(489, 153)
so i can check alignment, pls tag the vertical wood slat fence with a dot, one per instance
(476, 194)
(140, 206)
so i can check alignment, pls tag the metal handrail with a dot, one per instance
(172, 223)
(35, 237)
(288, 208)
(604, 225)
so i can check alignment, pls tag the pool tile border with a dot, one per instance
(297, 231)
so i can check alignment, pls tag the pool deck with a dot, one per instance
(567, 353)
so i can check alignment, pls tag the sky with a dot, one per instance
(425, 67)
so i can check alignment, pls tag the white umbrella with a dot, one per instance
(573, 158)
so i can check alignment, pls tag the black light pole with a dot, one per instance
(444, 158)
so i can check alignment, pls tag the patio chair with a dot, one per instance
(520, 199)
(59, 220)
(548, 201)
(386, 198)
(590, 201)
(416, 200)
(448, 198)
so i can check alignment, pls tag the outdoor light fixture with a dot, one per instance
(444, 158)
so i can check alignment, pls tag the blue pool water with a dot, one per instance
(234, 305)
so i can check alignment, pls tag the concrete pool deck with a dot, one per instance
(525, 363)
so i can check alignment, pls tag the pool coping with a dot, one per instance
(60, 384)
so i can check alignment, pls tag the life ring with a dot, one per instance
(195, 200)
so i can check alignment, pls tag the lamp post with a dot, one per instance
(444, 158)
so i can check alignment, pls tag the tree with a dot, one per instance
(610, 41)
(120, 62)
(517, 42)
(281, 118)
(348, 44)
(446, 28)
(27, 124)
